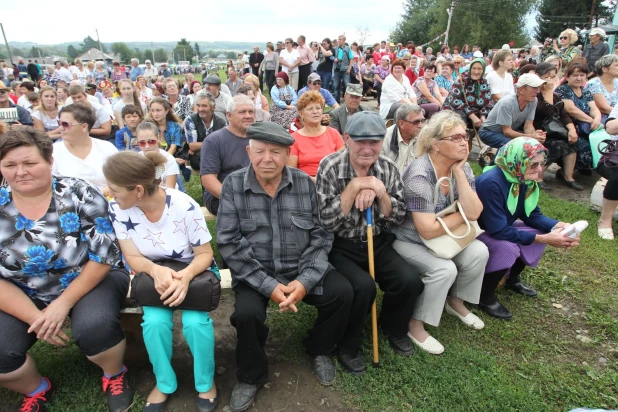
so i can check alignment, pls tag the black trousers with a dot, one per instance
(270, 79)
(249, 319)
(303, 72)
(95, 323)
(378, 90)
(400, 282)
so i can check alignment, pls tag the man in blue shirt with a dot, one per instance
(314, 82)
(135, 70)
(343, 64)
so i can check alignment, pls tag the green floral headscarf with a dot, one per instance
(513, 159)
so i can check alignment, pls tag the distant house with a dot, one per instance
(95, 54)
(221, 56)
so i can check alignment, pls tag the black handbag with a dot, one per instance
(203, 294)
(608, 163)
(553, 126)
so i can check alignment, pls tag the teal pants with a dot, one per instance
(199, 333)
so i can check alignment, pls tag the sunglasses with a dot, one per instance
(288, 42)
(456, 138)
(317, 83)
(563, 37)
(457, 63)
(3, 91)
(535, 165)
(142, 143)
(415, 122)
(68, 125)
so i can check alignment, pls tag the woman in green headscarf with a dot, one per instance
(516, 231)
(471, 98)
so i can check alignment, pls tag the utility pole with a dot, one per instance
(448, 25)
(152, 49)
(8, 48)
(100, 47)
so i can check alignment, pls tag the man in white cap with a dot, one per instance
(513, 115)
(150, 71)
(314, 83)
(596, 49)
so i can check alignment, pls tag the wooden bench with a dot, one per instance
(131, 317)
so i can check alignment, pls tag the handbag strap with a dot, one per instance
(437, 189)
(466, 221)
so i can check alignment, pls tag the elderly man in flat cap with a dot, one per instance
(212, 84)
(348, 183)
(269, 233)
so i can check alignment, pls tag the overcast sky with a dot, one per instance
(261, 21)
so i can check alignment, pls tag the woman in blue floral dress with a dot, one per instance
(58, 257)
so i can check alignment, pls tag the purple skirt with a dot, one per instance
(503, 254)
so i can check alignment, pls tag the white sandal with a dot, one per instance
(606, 233)
(470, 320)
(431, 345)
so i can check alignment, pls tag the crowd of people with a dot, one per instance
(93, 173)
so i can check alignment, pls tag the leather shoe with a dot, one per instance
(543, 186)
(324, 369)
(352, 364)
(205, 405)
(497, 310)
(402, 346)
(521, 289)
(243, 396)
(573, 185)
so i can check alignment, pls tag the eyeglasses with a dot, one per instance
(535, 165)
(563, 37)
(142, 143)
(456, 138)
(68, 125)
(406, 60)
(457, 63)
(288, 42)
(317, 83)
(415, 122)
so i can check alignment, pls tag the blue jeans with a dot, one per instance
(326, 79)
(338, 78)
(493, 139)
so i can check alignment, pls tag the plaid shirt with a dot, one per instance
(334, 174)
(270, 240)
(173, 134)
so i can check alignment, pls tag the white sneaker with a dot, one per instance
(431, 345)
(470, 320)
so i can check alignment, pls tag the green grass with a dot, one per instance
(531, 363)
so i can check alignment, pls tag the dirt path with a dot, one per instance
(291, 386)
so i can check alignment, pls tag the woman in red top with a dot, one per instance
(314, 141)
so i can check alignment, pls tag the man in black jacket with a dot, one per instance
(199, 125)
(254, 61)
(33, 72)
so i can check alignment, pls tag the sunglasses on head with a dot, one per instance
(151, 142)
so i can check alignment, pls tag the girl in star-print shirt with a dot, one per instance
(154, 223)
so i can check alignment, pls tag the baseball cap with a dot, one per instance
(354, 89)
(148, 61)
(598, 32)
(530, 79)
(366, 125)
(477, 54)
(313, 77)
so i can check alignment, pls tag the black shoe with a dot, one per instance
(205, 405)
(573, 185)
(324, 369)
(521, 289)
(243, 396)
(38, 402)
(497, 310)
(352, 364)
(155, 407)
(402, 346)
(119, 393)
(543, 186)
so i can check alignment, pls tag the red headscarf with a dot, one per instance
(284, 76)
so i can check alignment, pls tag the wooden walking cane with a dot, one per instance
(374, 310)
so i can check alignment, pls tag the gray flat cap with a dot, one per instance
(366, 126)
(270, 132)
(212, 79)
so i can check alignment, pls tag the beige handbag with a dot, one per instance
(454, 241)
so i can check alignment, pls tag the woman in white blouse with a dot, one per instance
(396, 90)
(78, 154)
(45, 116)
(500, 80)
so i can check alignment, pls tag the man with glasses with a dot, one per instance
(514, 113)
(314, 82)
(595, 49)
(352, 104)
(398, 144)
(11, 113)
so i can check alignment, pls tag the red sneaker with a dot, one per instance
(38, 402)
(119, 393)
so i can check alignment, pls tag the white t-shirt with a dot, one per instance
(119, 105)
(181, 227)
(65, 75)
(48, 123)
(290, 58)
(171, 167)
(90, 168)
(499, 85)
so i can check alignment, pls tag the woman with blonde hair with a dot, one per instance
(128, 95)
(442, 151)
(567, 50)
(260, 101)
(557, 63)
(500, 80)
(90, 68)
(46, 115)
(80, 72)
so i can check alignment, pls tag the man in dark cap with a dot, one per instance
(269, 233)
(347, 184)
(212, 84)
